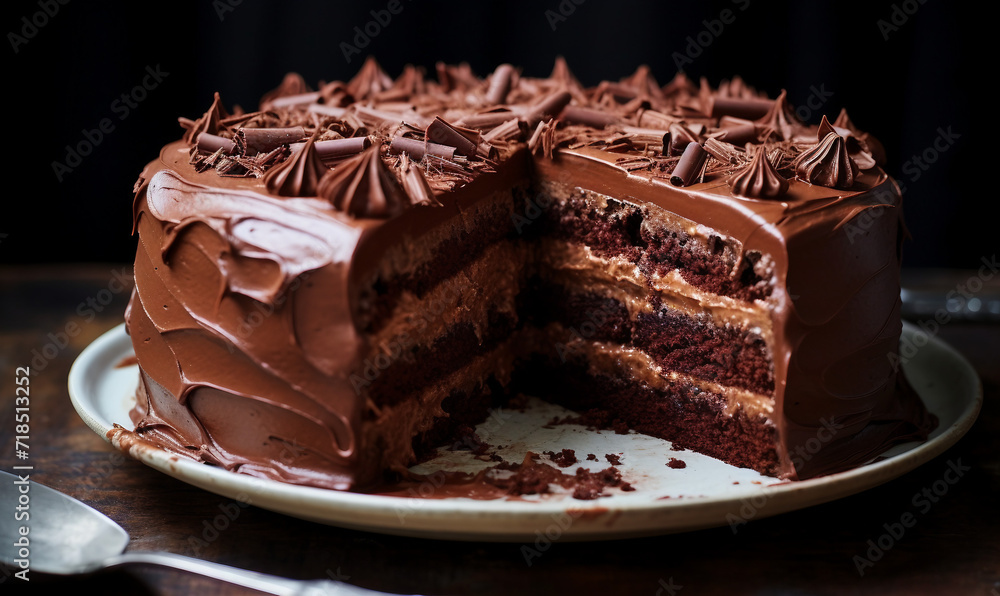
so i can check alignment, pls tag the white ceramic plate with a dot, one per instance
(706, 493)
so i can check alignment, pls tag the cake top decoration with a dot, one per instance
(363, 186)
(759, 180)
(456, 126)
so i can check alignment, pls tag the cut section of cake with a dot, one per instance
(330, 287)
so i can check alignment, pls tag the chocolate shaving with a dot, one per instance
(334, 149)
(419, 148)
(513, 129)
(587, 117)
(415, 183)
(724, 152)
(500, 84)
(548, 107)
(209, 143)
(262, 140)
(371, 79)
(289, 101)
(779, 120)
(654, 119)
(680, 137)
(210, 122)
(690, 166)
(442, 133)
(739, 134)
(485, 120)
(748, 109)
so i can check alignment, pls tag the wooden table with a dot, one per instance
(954, 548)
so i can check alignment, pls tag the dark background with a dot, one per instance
(905, 82)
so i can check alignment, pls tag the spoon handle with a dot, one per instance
(241, 577)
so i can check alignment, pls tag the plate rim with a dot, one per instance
(287, 498)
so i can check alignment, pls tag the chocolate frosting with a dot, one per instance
(827, 163)
(299, 175)
(244, 318)
(363, 187)
(759, 179)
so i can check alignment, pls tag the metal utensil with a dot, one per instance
(67, 537)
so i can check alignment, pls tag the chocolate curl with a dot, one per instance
(643, 81)
(514, 128)
(722, 151)
(415, 184)
(210, 122)
(442, 133)
(261, 140)
(371, 79)
(620, 92)
(500, 84)
(748, 109)
(587, 116)
(335, 149)
(418, 149)
(543, 138)
(654, 119)
(335, 94)
(325, 110)
(293, 84)
(299, 99)
(690, 166)
(444, 77)
(363, 186)
(548, 107)
(779, 119)
(647, 135)
(680, 137)
(680, 85)
(486, 120)
(739, 134)
(299, 175)
(209, 143)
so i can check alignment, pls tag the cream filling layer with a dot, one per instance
(570, 258)
(619, 361)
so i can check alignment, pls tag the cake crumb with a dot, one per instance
(677, 464)
(613, 459)
(563, 459)
(591, 457)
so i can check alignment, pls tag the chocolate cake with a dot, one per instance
(340, 281)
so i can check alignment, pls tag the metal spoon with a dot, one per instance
(67, 537)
